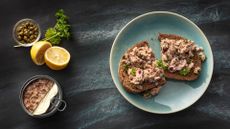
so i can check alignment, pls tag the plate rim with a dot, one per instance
(161, 12)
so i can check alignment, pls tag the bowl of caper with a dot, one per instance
(26, 32)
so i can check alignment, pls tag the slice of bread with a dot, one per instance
(137, 88)
(175, 75)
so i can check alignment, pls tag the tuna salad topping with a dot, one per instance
(141, 67)
(177, 55)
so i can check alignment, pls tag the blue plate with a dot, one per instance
(175, 95)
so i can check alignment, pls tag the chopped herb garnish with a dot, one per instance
(160, 64)
(133, 71)
(126, 67)
(162, 75)
(189, 60)
(147, 95)
(184, 71)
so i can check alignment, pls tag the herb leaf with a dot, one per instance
(147, 94)
(184, 71)
(160, 64)
(52, 36)
(126, 67)
(133, 72)
(60, 30)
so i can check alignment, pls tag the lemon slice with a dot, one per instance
(38, 50)
(57, 58)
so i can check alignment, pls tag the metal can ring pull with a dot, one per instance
(60, 108)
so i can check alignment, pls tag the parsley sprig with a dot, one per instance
(60, 30)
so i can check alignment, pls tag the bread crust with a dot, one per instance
(196, 60)
(134, 88)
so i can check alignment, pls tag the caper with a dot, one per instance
(25, 37)
(31, 28)
(27, 23)
(22, 24)
(31, 24)
(26, 32)
(20, 33)
(35, 29)
(19, 37)
(31, 37)
(30, 32)
(20, 27)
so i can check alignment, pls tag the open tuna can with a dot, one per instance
(41, 96)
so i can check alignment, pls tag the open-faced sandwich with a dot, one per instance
(181, 58)
(138, 72)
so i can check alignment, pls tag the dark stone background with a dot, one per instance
(93, 101)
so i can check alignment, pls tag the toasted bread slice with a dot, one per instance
(137, 88)
(175, 75)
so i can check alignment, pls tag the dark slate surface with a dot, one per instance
(93, 101)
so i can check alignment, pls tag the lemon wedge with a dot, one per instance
(57, 58)
(38, 50)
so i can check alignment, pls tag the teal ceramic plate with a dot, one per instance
(175, 95)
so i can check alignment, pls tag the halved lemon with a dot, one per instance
(38, 50)
(57, 58)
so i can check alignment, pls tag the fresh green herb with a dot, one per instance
(147, 95)
(184, 71)
(189, 60)
(160, 64)
(126, 67)
(133, 71)
(60, 30)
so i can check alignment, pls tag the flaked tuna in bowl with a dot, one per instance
(41, 96)
(174, 95)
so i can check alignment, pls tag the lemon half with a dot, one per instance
(57, 58)
(38, 50)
